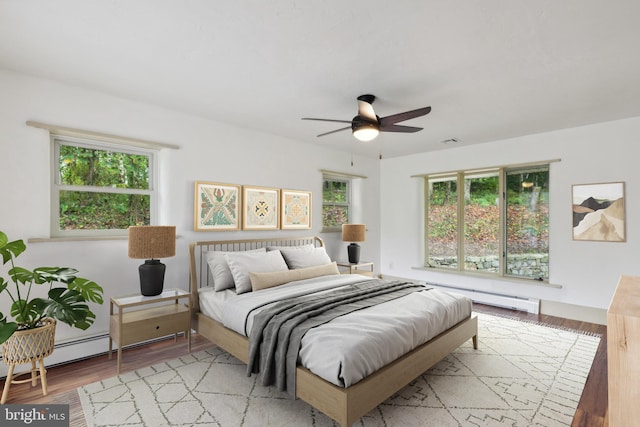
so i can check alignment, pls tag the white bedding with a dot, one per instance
(352, 346)
(212, 301)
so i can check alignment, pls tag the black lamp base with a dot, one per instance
(354, 253)
(151, 277)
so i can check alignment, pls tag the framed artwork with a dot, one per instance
(295, 209)
(598, 212)
(260, 208)
(217, 206)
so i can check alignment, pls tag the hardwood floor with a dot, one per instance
(63, 380)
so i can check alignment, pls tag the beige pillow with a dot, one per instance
(276, 278)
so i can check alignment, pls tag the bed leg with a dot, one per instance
(475, 341)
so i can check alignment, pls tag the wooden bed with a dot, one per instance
(344, 405)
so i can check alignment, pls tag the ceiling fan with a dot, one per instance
(367, 125)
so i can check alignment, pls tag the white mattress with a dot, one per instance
(353, 346)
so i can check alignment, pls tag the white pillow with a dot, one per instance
(303, 256)
(222, 277)
(241, 264)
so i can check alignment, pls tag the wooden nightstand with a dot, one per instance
(363, 267)
(165, 315)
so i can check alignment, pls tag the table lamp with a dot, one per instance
(353, 233)
(150, 242)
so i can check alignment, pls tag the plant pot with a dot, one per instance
(29, 345)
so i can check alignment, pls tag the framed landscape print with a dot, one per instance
(260, 208)
(217, 206)
(295, 209)
(598, 212)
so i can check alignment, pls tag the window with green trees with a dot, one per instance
(527, 222)
(336, 199)
(495, 220)
(100, 189)
(442, 216)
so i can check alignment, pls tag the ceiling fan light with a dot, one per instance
(366, 131)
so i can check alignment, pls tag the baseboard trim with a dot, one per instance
(574, 312)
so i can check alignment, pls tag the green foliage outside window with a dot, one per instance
(527, 212)
(102, 168)
(334, 191)
(335, 216)
(335, 203)
(101, 189)
(526, 232)
(102, 211)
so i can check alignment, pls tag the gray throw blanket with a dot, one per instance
(277, 331)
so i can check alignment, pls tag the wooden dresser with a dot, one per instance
(623, 353)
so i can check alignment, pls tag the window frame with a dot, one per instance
(460, 176)
(442, 178)
(57, 186)
(501, 194)
(349, 205)
(504, 221)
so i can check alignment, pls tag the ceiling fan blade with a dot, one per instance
(400, 117)
(334, 131)
(365, 110)
(399, 128)
(327, 120)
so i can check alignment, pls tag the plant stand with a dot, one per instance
(28, 346)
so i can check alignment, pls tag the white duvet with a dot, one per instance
(353, 346)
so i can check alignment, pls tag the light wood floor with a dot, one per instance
(63, 380)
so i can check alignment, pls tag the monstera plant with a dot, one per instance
(67, 295)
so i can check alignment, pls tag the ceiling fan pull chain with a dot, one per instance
(352, 153)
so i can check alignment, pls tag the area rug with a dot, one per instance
(523, 374)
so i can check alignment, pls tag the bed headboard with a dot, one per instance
(199, 270)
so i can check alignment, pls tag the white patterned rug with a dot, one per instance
(523, 374)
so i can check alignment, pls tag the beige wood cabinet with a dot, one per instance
(363, 267)
(623, 353)
(137, 318)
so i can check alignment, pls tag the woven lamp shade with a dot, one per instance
(152, 241)
(353, 232)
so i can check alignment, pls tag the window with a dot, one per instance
(336, 202)
(527, 222)
(99, 188)
(442, 217)
(495, 220)
(481, 222)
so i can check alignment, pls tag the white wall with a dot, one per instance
(210, 151)
(587, 271)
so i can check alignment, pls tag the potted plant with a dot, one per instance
(67, 303)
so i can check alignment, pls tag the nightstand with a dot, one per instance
(140, 318)
(363, 267)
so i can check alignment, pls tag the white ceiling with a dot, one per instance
(490, 69)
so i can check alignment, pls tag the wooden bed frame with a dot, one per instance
(344, 405)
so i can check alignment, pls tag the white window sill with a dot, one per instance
(490, 276)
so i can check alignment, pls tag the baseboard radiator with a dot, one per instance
(82, 348)
(75, 349)
(531, 305)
